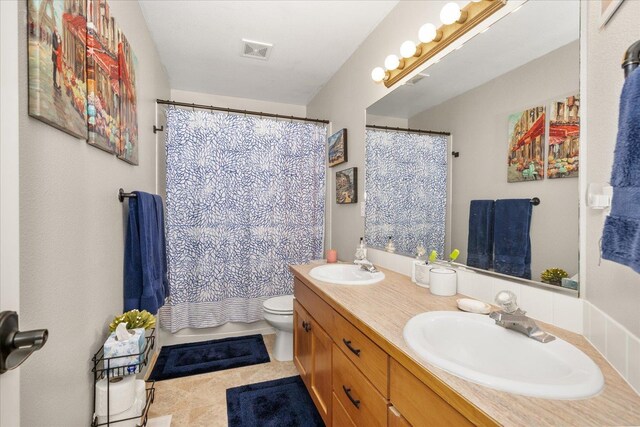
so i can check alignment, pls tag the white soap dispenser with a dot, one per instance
(418, 262)
(361, 252)
(390, 246)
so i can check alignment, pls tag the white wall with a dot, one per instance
(477, 121)
(612, 287)
(344, 100)
(72, 236)
(238, 103)
(9, 198)
(612, 290)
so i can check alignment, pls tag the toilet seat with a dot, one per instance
(282, 305)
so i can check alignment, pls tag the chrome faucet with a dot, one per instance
(512, 317)
(367, 266)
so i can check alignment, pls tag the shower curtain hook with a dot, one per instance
(193, 107)
(291, 119)
(228, 111)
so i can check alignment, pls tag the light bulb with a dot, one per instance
(378, 74)
(429, 33)
(450, 13)
(391, 62)
(408, 49)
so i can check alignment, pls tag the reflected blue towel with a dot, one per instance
(511, 237)
(480, 240)
(621, 235)
(145, 260)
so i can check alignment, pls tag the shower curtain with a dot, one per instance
(405, 190)
(245, 198)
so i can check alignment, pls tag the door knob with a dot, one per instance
(16, 346)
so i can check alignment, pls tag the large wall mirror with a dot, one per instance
(501, 116)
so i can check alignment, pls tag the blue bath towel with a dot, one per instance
(480, 240)
(621, 235)
(511, 237)
(145, 261)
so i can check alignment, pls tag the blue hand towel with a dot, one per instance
(480, 240)
(145, 265)
(511, 237)
(621, 235)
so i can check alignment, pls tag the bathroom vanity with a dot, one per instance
(350, 352)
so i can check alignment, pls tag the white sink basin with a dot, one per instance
(473, 347)
(345, 274)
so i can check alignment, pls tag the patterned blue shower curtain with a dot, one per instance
(406, 190)
(245, 198)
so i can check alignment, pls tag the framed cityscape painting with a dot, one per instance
(56, 33)
(564, 138)
(338, 148)
(347, 186)
(525, 158)
(127, 148)
(103, 85)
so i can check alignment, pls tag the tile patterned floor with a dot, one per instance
(200, 400)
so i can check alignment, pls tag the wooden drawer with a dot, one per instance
(420, 405)
(372, 361)
(396, 419)
(317, 308)
(364, 405)
(340, 416)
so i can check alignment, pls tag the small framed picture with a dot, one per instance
(607, 10)
(337, 148)
(347, 186)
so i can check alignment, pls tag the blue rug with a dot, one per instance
(175, 361)
(278, 403)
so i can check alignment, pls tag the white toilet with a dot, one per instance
(278, 312)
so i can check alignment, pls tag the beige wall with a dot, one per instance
(344, 100)
(613, 288)
(477, 121)
(72, 237)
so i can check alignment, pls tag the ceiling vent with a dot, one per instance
(415, 79)
(256, 50)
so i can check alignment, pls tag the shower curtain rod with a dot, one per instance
(429, 132)
(233, 110)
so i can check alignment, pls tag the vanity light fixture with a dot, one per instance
(379, 74)
(451, 13)
(392, 62)
(433, 40)
(429, 33)
(409, 49)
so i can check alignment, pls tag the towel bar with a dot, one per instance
(631, 59)
(122, 195)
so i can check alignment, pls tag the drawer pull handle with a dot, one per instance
(353, 350)
(355, 402)
(306, 326)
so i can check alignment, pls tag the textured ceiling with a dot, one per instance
(200, 44)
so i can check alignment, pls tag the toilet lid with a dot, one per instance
(281, 305)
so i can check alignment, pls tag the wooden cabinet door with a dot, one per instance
(320, 386)
(302, 342)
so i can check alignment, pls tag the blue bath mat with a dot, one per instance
(277, 403)
(175, 361)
